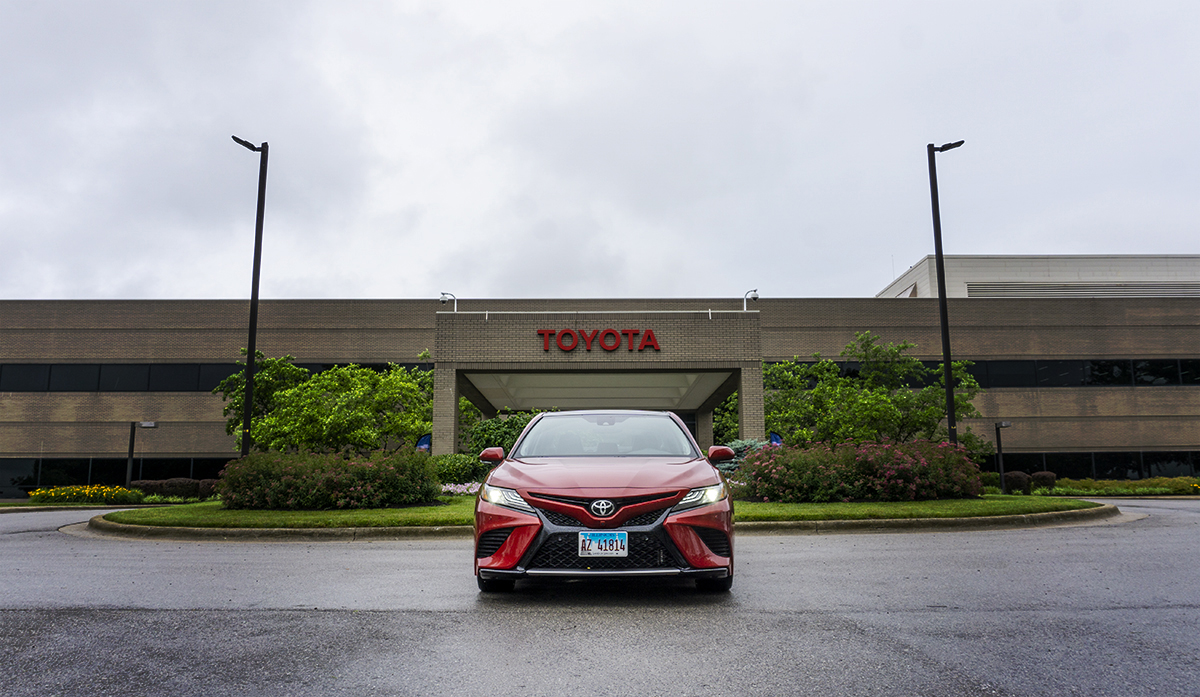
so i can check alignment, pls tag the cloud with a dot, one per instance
(608, 150)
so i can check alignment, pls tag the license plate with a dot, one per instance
(604, 544)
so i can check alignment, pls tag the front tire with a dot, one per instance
(495, 585)
(714, 585)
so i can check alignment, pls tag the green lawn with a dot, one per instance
(458, 510)
(951, 508)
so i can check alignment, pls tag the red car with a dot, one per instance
(604, 493)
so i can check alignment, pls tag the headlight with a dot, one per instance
(508, 498)
(701, 497)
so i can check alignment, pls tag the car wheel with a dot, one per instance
(494, 585)
(714, 585)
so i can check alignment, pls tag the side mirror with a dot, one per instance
(495, 455)
(720, 453)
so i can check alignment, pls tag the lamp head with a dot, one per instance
(246, 144)
(950, 146)
(1003, 424)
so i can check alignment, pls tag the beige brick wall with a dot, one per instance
(376, 331)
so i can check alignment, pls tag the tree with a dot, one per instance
(889, 398)
(271, 376)
(349, 408)
(499, 431)
(725, 420)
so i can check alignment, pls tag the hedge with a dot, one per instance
(917, 470)
(309, 481)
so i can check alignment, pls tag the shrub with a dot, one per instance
(1018, 483)
(990, 479)
(312, 481)
(1043, 480)
(181, 487)
(206, 489)
(741, 449)
(868, 472)
(459, 469)
(991, 489)
(96, 493)
(1102, 487)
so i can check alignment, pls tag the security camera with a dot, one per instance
(444, 299)
(754, 296)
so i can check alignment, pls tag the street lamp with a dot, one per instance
(133, 427)
(951, 426)
(1000, 453)
(752, 294)
(446, 298)
(248, 397)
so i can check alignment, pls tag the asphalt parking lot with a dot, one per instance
(1107, 608)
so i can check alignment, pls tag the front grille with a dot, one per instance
(561, 551)
(561, 519)
(645, 518)
(714, 539)
(490, 541)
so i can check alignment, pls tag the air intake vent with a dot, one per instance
(1083, 289)
(491, 541)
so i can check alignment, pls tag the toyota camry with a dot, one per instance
(604, 493)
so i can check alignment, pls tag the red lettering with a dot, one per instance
(588, 338)
(649, 340)
(616, 335)
(545, 334)
(630, 333)
(574, 339)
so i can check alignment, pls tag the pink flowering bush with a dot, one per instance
(911, 471)
(313, 481)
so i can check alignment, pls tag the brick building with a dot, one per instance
(1105, 386)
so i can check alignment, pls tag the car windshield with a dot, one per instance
(570, 435)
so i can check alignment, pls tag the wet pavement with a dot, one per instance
(1106, 608)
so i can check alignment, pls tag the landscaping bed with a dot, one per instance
(459, 510)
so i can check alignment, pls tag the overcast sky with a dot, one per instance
(582, 149)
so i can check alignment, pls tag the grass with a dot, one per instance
(459, 510)
(746, 511)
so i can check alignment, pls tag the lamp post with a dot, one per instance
(752, 294)
(446, 298)
(1000, 453)
(951, 426)
(133, 427)
(248, 397)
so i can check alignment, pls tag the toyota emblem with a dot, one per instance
(602, 508)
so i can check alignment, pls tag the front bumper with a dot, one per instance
(696, 543)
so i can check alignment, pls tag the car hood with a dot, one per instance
(584, 476)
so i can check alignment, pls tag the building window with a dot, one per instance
(74, 378)
(124, 378)
(24, 378)
(1156, 373)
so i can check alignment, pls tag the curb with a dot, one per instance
(69, 507)
(107, 527)
(1027, 520)
(811, 527)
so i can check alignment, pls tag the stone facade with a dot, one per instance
(501, 335)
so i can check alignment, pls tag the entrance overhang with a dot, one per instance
(686, 361)
(679, 391)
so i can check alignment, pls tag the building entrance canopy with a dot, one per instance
(687, 361)
(674, 391)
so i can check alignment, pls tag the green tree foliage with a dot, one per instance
(349, 408)
(889, 399)
(271, 376)
(725, 420)
(501, 431)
